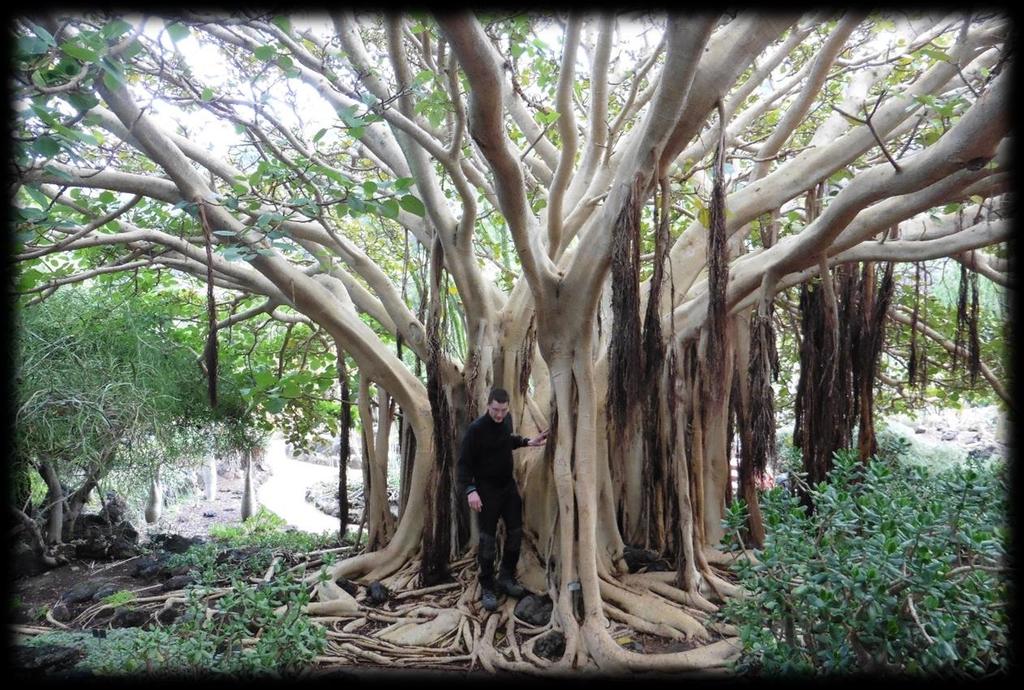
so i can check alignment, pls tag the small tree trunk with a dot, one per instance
(249, 503)
(210, 477)
(55, 501)
(155, 503)
(343, 444)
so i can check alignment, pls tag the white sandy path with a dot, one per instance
(284, 491)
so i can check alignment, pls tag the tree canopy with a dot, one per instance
(624, 219)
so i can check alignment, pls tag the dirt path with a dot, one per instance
(284, 491)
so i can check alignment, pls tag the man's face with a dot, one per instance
(497, 410)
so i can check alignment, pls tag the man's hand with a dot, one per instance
(474, 501)
(540, 439)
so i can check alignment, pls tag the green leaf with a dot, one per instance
(113, 77)
(413, 205)
(265, 53)
(30, 45)
(285, 62)
(936, 54)
(57, 172)
(42, 34)
(283, 23)
(107, 197)
(177, 32)
(369, 187)
(275, 405)
(79, 52)
(115, 29)
(37, 196)
(82, 100)
(133, 49)
(207, 95)
(319, 135)
(389, 208)
(46, 146)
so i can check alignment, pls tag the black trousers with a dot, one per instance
(505, 503)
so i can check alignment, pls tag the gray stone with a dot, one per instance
(949, 435)
(550, 646)
(169, 615)
(129, 618)
(105, 591)
(46, 658)
(24, 560)
(175, 543)
(83, 591)
(919, 430)
(378, 593)
(61, 612)
(115, 508)
(534, 609)
(177, 582)
(347, 585)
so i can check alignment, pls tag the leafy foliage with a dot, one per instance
(898, 570)
(256, 542)
(98, 385)
(220, 643)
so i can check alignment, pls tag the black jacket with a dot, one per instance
(486, 454)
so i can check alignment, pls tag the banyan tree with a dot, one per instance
(609, 206)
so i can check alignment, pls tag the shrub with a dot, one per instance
(225, 641)
(897, 570)
(121, 598)
(262, 534)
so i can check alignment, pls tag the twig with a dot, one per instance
(913, 614)
(871, 128)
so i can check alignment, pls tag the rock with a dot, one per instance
(637, 558)
(115, 508)
(177, 582)
(24, 561)
(378, 593)
(175, 543)
(347, 585)
(209, 514)
(169, 615)
(46, 658)
(919, 430)
(949, 435)
(550, 646)
(129, 618)
(96, 538)
(105, 591)
(83, 591)
(236, 555)
(61, 612)
(534, 609)
(149, 566)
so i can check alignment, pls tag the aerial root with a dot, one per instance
(445, 626)
(655, 610)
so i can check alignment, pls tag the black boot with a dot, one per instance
(509, 559)
(488, 598)
(485, 559)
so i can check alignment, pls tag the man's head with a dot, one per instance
(497, 404)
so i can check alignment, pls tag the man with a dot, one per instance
(485, 475)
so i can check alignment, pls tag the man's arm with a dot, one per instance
(464, 467)
(522, 441)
